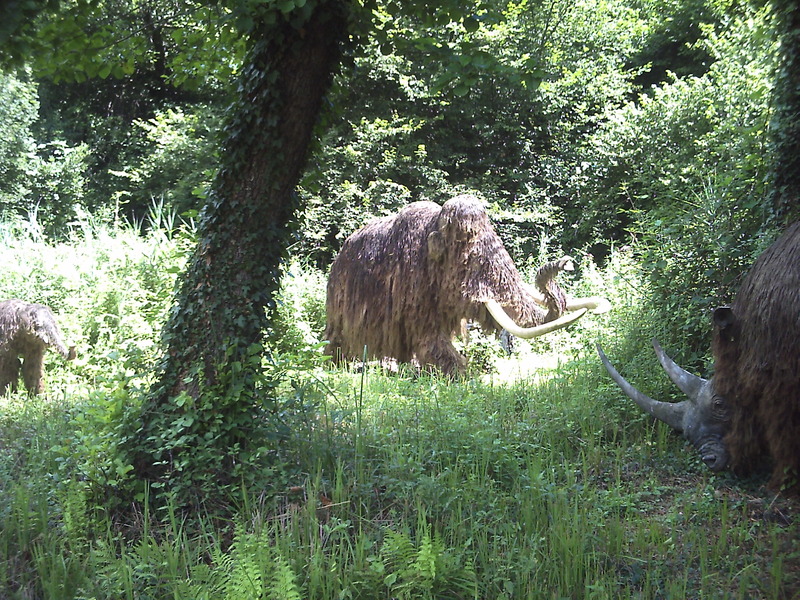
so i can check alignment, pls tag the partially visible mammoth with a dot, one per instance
(402, 286)
(750, 408)
(26, 331)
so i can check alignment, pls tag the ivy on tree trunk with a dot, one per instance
(786, 120)
(203, 405)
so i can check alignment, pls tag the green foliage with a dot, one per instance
(46, 181)
(299, 322)
(18, 106)
(424, 568)
(54, 193)
(534, 481)
(556, 148)
(569, 142)
(685, 169)
(174, 162)
(697, 258)
(785, 172)
(659, 151)
(671, 40)
(110, 289)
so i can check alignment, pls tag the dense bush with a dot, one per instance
(18, 106)
(299, 322)
(43, 180)
(174, 162)
(111, 288)
(636, 131)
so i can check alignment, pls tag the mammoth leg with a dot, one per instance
(9, 371)
(33, 370)
(440, 352)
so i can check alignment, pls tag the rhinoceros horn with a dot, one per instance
(672, 413)
(687, 383)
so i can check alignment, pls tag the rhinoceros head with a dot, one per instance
(702, 419)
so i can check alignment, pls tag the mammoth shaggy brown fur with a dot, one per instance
(403, 284)
(757, 363)
(26, 331)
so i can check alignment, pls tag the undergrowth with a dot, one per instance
(533, 478)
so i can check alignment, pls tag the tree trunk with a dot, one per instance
(214, 335)
(786, 119)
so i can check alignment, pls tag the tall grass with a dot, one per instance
(535, 480)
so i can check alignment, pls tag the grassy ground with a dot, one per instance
(536, 479)
(545, 486)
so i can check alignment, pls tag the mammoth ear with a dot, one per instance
(723, 317)
(435, 245)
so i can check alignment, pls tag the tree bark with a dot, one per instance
(786, 120)
(214, 336)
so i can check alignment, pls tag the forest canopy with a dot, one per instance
(582, 122)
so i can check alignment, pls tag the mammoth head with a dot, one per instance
(474, 267)
(461, 222)
(702, 419)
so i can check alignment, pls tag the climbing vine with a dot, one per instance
(206, 419)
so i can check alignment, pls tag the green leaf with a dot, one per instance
(471, 24)
(462, 89)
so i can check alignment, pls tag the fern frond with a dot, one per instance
(283, 584)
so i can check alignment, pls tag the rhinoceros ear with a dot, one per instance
(725, 322)
(723, 317)
(435, 245)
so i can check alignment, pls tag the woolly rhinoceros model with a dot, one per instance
(751, 407)
(403, 284)
(27, 330)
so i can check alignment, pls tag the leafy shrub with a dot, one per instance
(18, 107)
(298, 322)
(176, 161)
(661, 151)
(46, 181)
(110, 288)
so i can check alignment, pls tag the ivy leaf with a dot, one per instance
(287, 6)
(471, 24)
(462, 89)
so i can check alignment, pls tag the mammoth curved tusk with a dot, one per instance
(507, 323)
(597, 304)
(670, 413)
(687, 383)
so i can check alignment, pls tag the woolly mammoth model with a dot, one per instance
(751, 407)
(26, 331)
(403, 284)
